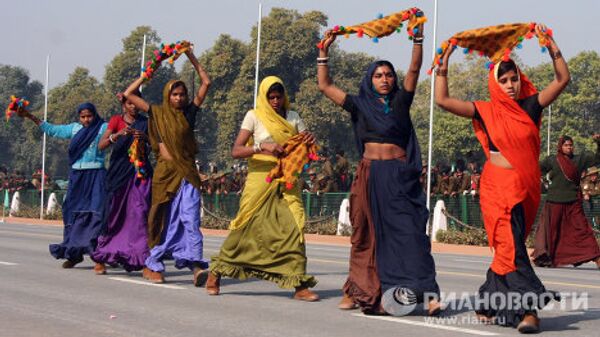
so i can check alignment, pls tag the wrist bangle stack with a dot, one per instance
(441, 72)
(556, 56)
(322, 61)
(110, 139)
(257, 148)
(418, 40)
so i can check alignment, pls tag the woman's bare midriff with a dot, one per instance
(384, 151)
(164, 152)
(498, 159)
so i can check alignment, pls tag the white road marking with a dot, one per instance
(476, 261)
(8, 263)
(126, 280)
(337, 250)
(428, 325)
(39, 235)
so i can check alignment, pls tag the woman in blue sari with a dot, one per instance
(83, 208)
(390, 249)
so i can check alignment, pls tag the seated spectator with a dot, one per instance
(475, 176)
(460, 182)
(325, 184)
(443, 181)
(590, 185)
(341, 169)
(313, 185)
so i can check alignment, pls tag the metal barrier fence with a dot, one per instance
(315, 205)
(464, 207)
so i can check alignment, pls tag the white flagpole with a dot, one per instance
(549, 124)
(5, 197)
(143, 58)
(257, 53)
(430, 150)
(44, 138)
(3, 208)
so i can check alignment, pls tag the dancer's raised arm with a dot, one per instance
(139, 102)
(561, 72)
(442, 94)
(326, 85)
(412, 75)
(204, 79)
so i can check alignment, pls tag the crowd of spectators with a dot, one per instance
(16, 180)
(332, 173)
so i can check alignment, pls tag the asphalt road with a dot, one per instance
(38, 298)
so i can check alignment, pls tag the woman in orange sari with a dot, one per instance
(508, 129)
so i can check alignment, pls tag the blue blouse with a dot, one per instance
(93, 157)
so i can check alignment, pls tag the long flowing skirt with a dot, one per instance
(83, 214)
(125, 240)
(265, 241)
(181, 239)
(389, 245)
(564, 236)
(512, 289)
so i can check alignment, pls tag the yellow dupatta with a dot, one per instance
(257, 191)
(279, 128)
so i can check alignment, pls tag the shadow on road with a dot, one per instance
(565, 322)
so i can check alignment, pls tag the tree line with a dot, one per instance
(288, 51)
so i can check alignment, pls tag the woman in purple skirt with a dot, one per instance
(174, 215)
(124, 240)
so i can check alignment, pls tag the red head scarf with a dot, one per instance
(568, 168)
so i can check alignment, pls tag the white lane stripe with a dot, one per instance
(126, 280)
(216, 239)
(467, 260)
(8, 263)
(39, 235)
(338, 250)
(429, 325)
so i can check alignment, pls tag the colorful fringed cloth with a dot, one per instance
(166, 51)
(297, 156)
(495, 42)
(384, 26)
(17, 106)
(137, 153)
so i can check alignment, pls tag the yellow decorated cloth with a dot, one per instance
(258, 193)
(384, 26)
(495, 42)
(290, 165)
